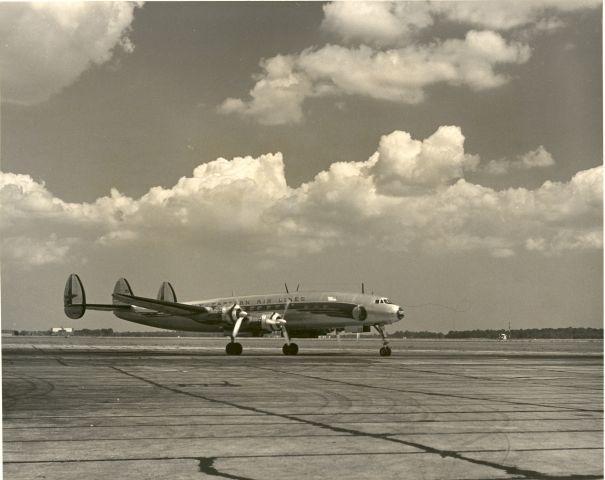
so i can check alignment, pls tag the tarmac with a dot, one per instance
(157, 408)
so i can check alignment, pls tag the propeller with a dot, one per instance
(276, 321)
(234, 315)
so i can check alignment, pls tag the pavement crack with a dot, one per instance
(206, 466)
(59, 360)
(511, 470)
(433, 394)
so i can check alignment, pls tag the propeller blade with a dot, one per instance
(237, 326)
(286, 309)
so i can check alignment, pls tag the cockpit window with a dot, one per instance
(382, 300)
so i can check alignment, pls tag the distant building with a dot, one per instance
(62, 331)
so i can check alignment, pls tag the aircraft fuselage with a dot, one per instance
(303, 311)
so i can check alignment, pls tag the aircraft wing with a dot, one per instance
(202, 314)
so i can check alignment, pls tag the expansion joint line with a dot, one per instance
(511, 470)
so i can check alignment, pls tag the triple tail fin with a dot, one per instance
(122, 287)
(166, 293)
(74, 298)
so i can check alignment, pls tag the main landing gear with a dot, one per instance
(385, 350)
(289, 348)
(234, 348)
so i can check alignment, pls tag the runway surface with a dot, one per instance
(179, 408)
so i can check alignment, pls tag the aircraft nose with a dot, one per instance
(400, 313)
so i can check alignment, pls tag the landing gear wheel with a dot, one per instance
(234, 348)
(385, 352)
(291, 349)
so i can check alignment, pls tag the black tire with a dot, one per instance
(385, 351)
(293, 349)
(234, 348)
(286, 349)
(388, 351)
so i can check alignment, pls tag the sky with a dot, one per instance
(446, 154)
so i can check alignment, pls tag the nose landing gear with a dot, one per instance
(385, 350)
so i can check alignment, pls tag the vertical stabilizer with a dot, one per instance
(74, 298)
(166, 293)
(123, 288)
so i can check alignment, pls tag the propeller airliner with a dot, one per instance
(304, 313)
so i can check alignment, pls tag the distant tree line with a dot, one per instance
(569, 332)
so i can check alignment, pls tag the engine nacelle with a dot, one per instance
(268, 322)
(233, 313)
(360, 313)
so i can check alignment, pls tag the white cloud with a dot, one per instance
(277, 96)
(45, 47)
(392, 23)
(396, 75)
(403, 162)
(31, 252)
(382, 23)
(410, 195)
(538, 158)
(511, 14)
(388, 59)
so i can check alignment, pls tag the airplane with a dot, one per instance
(304, 313)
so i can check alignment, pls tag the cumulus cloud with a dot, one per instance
(386, 56)
(511, 14)
(396, 75)
(393, 23)
(410, 195)
(44, 47)
(403, 163)
(277, 96)
(538, 158)
(382, 23)
(32, 252)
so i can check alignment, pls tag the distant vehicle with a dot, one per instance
(503, 337)
(305, 313)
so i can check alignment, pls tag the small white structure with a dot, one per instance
(61, 331)
(503, 337)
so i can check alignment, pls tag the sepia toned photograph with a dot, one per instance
(302, 240)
